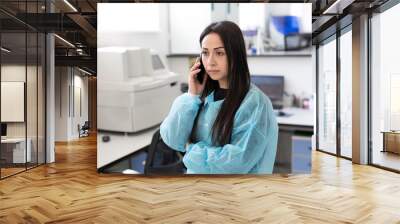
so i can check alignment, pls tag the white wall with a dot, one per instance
(296, 70)
(17, 73)
(186, 22)
(12, 101)
(33, 125)
(61, 103)
(80, 118)
(14, 73)
(158, 41)
(67, 80)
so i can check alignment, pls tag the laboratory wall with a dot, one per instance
(155, 39)
(296, 69)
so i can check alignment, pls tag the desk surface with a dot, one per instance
(13, 140)
(297, 116)
(120, 145)
(391, 132)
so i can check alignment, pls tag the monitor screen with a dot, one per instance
(272, 86)
(3, 129)
(157, 63)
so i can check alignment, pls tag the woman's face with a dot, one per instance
(214, 58)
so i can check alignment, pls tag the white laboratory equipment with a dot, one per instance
(135, 90)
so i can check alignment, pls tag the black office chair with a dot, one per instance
(84, 130)
(161, 159)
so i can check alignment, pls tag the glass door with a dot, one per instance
(385, 89)
(346, 93)
(327, 96)
(22, 77)
(14, 154)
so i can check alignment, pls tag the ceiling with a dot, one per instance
(331, 15)
(76, 22)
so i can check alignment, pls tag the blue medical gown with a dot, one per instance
(253, 141)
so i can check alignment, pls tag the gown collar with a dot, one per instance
(209, 98)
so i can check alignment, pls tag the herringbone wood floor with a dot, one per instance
(71, 191)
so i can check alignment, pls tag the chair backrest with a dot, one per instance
(86, 125)
(161, 159)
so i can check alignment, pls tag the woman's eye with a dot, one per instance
(204, 53)
(220, 53)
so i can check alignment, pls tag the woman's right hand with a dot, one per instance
(195, 87)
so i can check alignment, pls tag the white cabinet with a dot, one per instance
(294, 151)
(301, 154)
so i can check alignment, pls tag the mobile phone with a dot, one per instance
(200, 75)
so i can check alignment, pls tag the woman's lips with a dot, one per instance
(213, 71)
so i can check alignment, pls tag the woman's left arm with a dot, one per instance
(255, 132)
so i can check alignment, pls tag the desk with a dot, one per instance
(391, 141)
(13, 150)
(121, 145)
(296, 117)
(294, 141)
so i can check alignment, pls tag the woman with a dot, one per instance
(224, 124)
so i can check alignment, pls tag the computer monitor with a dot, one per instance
(156, 62)
(159, 68)
(272, 86)
(3, 129)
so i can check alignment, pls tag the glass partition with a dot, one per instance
(31, 100)
(346, 94)
(23, 91)
(14, 153)
(385, 89)
(327, 96)
(41, 107)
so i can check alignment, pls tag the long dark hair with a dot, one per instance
(238, 79)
